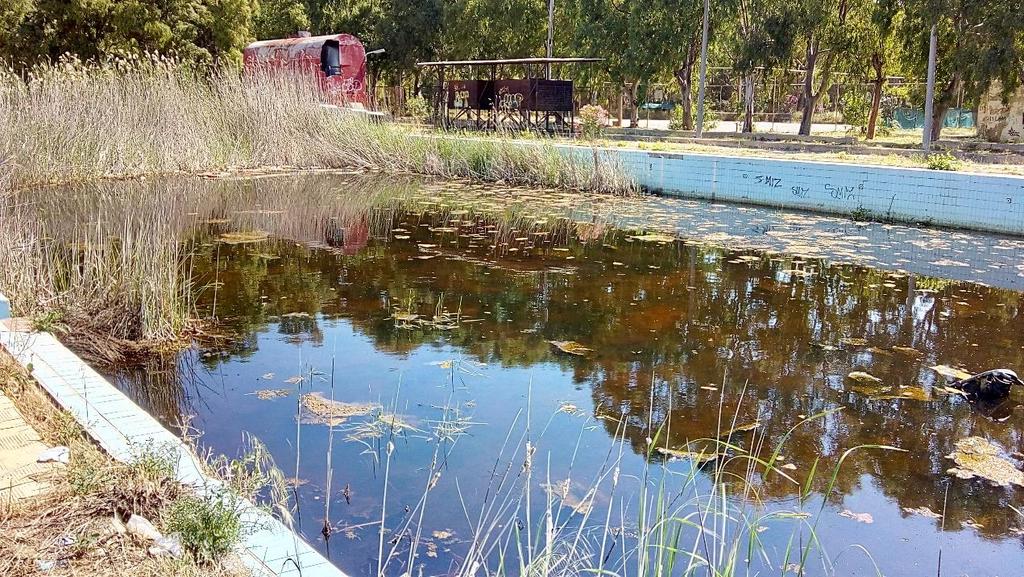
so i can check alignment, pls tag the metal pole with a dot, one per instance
(551, 38)
(929, 105)
(699, 128)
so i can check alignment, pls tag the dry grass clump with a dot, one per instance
(79, 522)
(103, 267)
(144, 117)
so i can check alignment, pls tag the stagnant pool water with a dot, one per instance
(442, 316)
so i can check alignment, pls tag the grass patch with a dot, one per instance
(209, 528)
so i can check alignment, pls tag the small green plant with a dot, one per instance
(417, 107)
(593, 119)
(208, 528)
(855, 107)
(943, 161)
(675, 121)
(48, 322)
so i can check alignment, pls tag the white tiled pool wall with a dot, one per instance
(992, 203)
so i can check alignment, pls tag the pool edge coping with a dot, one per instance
(107, 415)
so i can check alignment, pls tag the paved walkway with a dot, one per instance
(20, 475)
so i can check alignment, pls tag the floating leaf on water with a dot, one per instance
(789, 467)
(326, 411)
(653, 237)
(971, 524)
(267, 376)
(858, 517)
(296, 315)
(740, 429)
(243, 237)
(977, 457)
(442, 364)
(569, 409)
(571, 347)
(853, 342)
(696, 457)
(443, 534)
(922, 511)
(909, 351)
(709, 388)
(862, 377)
(268, 394)
(951, 372)
(294, 380)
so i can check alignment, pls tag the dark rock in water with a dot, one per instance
(990, 385)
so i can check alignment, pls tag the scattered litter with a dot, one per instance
(140, 527)
(977, 457)
(55, 455)
(169, 546)
(858, 517)
(47, 565)
(571, 347)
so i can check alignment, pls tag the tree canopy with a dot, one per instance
(815, 43)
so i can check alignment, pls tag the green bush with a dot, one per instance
(855, 108)
(675, 122)
(593, 119)
(943, 161)
(417, 107)
(208, 528)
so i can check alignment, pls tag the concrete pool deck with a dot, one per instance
(122, 429)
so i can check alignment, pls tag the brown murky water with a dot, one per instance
(440, 298)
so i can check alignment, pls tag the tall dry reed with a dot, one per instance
(73, 121)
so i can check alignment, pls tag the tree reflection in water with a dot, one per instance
(678, 316)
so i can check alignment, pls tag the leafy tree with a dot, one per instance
(280, 19)
(979, 41)
(204, 31)
(763, 40)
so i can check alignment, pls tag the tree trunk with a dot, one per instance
(748, 103)
(942, 105)
(684, 76)
(634, 108)
(809, 98)
(622, 100)
(876, 93)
